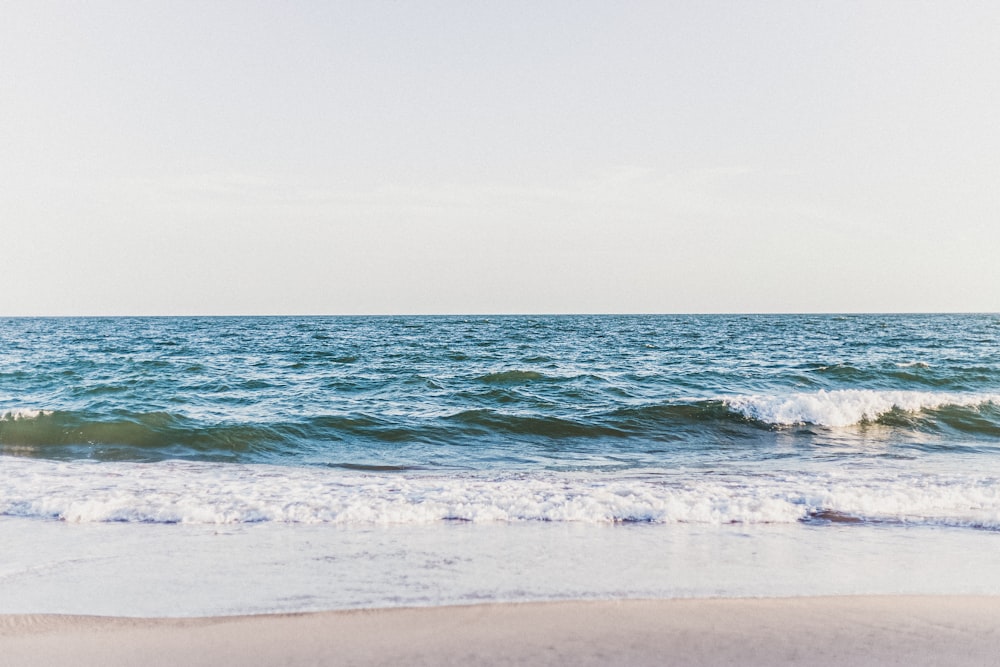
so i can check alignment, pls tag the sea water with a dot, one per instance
(183, 466)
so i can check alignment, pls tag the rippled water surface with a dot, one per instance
(663, 419)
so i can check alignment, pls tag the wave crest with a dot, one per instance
(20, 414)
(511, 377)
(846, 407)
(143, 436)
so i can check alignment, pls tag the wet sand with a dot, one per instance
(880, 630)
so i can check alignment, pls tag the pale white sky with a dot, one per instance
(488, 157)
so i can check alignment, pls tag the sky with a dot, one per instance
(173, 158)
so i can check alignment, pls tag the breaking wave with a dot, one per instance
(847, 407)
(213, 493)
(161, 436)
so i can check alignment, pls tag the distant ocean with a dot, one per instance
(373, 461)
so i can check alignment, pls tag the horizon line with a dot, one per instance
(511, 314)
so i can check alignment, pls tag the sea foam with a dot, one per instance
(19, 414)
(846, 407)
(206, 493)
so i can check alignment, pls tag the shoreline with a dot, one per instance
(859, 630)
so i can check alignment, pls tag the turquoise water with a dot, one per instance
(155, 466)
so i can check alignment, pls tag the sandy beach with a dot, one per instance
(924, 630)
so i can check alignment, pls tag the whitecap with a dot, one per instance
(23, 414)
(208, 493)
(845, 407)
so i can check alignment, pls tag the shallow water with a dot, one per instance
(198, 570)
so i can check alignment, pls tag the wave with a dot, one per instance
(493, 422)
(130, 436)
(512, 377)
(847, 407)
(159, 436)
(659, 415)
(207, 493)
(22, 414)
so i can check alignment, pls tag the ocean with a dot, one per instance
(207, 465)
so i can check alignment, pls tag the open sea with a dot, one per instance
(190, 466)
